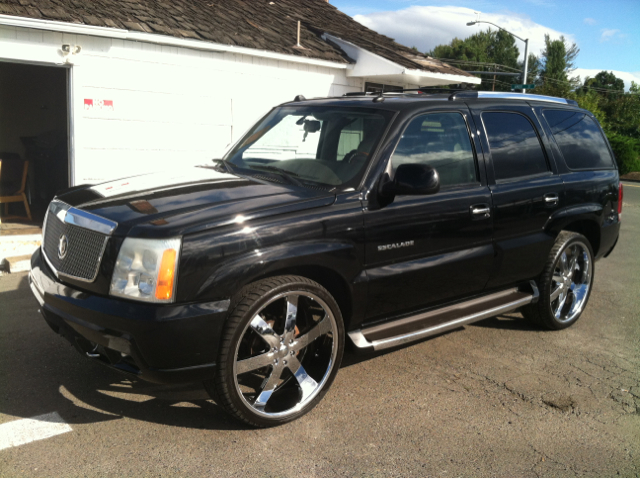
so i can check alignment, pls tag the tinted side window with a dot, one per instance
(515, 147)
(440, 140)
(579, 139)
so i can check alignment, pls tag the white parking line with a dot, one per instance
(24, 431)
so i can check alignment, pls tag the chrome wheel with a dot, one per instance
(571, 282)
(286, 354)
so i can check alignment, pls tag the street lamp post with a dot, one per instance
(526, 48)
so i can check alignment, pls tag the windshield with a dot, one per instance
(329, 146)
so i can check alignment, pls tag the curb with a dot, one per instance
(16, 264)
(632, 180)
(16, 252)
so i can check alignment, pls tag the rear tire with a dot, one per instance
(281, 350)
(565, 283)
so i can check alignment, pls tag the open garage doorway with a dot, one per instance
(34, 139)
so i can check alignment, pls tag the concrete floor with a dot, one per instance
(498, 398)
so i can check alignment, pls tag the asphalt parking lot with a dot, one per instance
(498, 398)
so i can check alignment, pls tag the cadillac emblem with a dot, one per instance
(63, 246)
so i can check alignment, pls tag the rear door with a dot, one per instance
(425, 250)
(525, 188)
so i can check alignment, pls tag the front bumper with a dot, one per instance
(175, 343)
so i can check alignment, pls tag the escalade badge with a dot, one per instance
(63, 246)
(404, 244)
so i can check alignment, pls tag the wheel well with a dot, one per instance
(328, 279)
(589, 229)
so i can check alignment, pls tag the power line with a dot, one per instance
(575, 85)
(597, 90)
(469, 62)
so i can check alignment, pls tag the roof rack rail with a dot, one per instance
(431, 89)
(424, 90)
(461, 95)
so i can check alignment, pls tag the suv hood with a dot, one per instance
(169, 204)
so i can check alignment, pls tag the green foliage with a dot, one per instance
(533, 68)
(623, 111)
(627, 152)
(605, 81)
(558, 60)
(485, 47)
(591, 101)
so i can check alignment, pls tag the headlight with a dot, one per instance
(146, 270)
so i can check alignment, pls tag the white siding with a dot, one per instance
(171, 106)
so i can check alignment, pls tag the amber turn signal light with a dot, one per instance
(164, 288)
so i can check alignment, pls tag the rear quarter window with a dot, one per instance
(580, 139)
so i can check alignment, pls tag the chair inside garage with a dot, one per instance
(13, 183)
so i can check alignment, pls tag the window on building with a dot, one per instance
(579, 138)
(515, 147)
(440, 140)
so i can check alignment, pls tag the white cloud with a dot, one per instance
(590, 21)
(426, 27)
(609, 33)
(627, 77)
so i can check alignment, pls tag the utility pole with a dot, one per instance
(526, 64)
(526, 48)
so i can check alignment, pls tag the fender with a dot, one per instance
(586, 212)
(327, 242)
(246, 268)
(334, 264)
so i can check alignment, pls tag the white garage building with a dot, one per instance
(91, 90)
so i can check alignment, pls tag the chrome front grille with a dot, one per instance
(84, 247)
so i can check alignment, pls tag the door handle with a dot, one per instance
(481, 210)
(551, 199)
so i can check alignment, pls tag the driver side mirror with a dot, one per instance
(412, 179)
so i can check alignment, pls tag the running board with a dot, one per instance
(431, 323)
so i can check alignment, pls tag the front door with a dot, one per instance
(426, 250)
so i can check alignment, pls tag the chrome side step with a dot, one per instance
(431, 323)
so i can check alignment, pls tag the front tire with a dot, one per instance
(565, 283)
(281, 350)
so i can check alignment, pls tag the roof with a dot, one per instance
(261, 24)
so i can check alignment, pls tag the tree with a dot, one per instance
(533, 69)
(487, 46)
(623, 112)
(589, 100)
(558, 59)
(605, 81)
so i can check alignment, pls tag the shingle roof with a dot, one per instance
(263, 24)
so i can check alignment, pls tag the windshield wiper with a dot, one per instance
(222, 166)
(225, 163)
(289, 175)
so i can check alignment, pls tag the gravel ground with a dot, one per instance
(498, 398)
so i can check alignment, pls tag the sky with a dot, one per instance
(606, 31)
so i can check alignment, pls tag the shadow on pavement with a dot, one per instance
(43, 373)
(512, 321)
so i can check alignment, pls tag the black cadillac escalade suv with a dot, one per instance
(384, 219)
